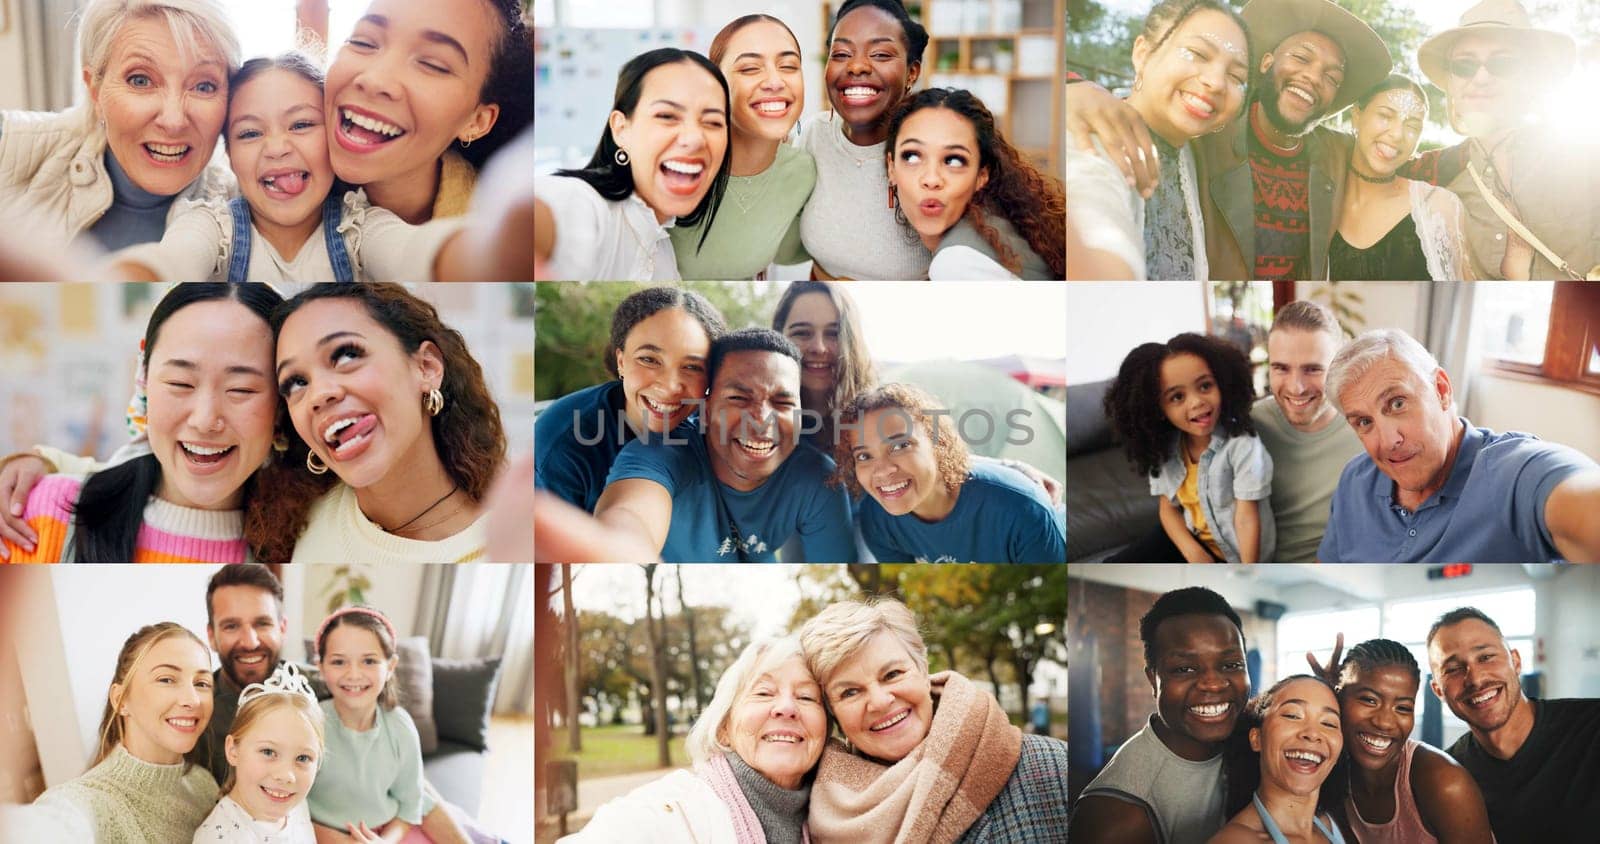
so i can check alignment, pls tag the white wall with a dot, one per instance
(1554, 413)
(1385, 304)
(13, 93)
(1106, 319)
(395, 590)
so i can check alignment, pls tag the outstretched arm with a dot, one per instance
(1092, 111)
(1569, 513)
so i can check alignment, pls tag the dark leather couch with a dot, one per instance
(1108, 504)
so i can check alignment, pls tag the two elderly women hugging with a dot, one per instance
(923, 757)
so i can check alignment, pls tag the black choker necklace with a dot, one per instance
(1376, 180)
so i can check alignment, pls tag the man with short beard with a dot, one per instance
(1301, 429)
(245, 625)
(1165, 784)
(740, 488)
(1536, 761)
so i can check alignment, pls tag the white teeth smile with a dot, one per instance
(664, 410)
(860, 91)
(758, 447)
(892, 721)
(787, 738)
(280, 795)
(1301, 93)
(1197, 103)
(251, 660)
(684, 167)
(773, 107)
(167, 153)
(1305, 756)
(1210, 710)
(329, 432)
(372, 124)
(203, 451)
(890, 490)
(1376, 742)
(182, 723)
(1485, 696)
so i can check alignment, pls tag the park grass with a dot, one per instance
(612, 750)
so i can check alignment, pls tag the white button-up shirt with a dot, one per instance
(598, 239)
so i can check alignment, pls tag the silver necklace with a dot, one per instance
(738, 189)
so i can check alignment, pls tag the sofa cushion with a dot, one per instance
(1087, 428)
(463, 695)
(456, 771)
(415, 676)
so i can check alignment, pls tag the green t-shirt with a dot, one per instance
(372, 776)
(1306, 471)
(756, 223)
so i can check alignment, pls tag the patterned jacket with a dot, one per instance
(1032, 808)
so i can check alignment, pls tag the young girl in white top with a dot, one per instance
(662, 161)
(292, 220)
(274, 747)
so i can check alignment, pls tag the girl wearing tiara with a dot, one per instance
(274, 748)
(371, 785)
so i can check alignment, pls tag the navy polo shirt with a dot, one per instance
(576, 439)
(1490, 510)
(1000, 517)
(713, 522)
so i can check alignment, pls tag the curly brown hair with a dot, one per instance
(467, 434)
(950, 453)
(1132, 403)
(1035, 204)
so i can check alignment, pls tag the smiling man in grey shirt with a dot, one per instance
(1300, 427)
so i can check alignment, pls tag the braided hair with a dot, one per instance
(1378, 653)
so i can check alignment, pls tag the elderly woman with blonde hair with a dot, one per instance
(925, 758)
(156, 73)
(753, 749)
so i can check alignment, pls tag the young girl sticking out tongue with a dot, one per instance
(292, 220)
(275, 747)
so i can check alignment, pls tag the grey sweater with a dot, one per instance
(847, 225)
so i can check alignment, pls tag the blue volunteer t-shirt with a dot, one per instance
(576, 439)
(715, 523)
(1000, 517)
(1490, 510)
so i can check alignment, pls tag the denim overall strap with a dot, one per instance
(337, 255)
(239, 264)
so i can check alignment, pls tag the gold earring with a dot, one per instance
(314, 465)
(433, 402)
(280, 443)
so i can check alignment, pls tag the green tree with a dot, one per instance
(572, 326)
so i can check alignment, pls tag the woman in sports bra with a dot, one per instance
(1283, 750)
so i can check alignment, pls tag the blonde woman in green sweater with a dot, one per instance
(770, 179)
(140, 786)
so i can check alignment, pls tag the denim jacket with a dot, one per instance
(1231, 469)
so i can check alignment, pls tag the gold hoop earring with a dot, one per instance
(315, 466)
(280, 443)
(433, 402)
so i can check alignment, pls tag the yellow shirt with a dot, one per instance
(1189, 499)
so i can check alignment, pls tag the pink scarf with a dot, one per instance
(746, 826)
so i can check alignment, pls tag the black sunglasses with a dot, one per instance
(1502, 67)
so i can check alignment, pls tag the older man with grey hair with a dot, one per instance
(1433, 488)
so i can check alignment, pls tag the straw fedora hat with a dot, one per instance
(1366, 57)
(1505, 21)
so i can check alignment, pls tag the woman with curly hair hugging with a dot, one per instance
(981, 208)
(1182, 410)
(387, 397)
(926, 499)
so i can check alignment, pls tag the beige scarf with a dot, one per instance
(936, 791)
